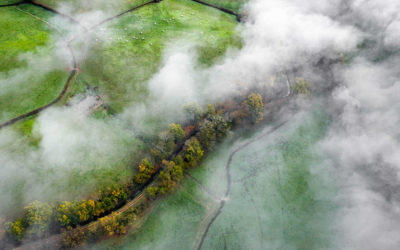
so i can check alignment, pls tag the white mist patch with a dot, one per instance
(173, 86)
(73, 152)
(39, 62)
(364, 140)
(364, 146)
(364, 215)
(279, 35)
(68, 137)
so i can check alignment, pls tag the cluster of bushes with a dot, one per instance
(167, 141)
(113, 224)
(168, 179)
(145, 171)
(71, 214)
(36, 221)
(212, 126)
(174, 151)
(301, 87)
(41, 218)
(251, 110)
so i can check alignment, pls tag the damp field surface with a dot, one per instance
(280, 197)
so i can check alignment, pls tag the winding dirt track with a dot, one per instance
(59, 97)
(229, 180)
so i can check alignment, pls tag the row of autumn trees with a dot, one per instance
(174, 151)
(41, 218)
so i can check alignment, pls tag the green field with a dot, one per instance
(119, 68)
(124, 54)
(30, 74)
(119, 63)
(280, 198)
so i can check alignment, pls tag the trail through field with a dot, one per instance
(229, 180)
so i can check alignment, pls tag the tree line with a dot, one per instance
(175, 151)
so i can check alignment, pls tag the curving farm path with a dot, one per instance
(229, 180)
(73, 72)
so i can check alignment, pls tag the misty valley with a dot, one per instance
(199, 124)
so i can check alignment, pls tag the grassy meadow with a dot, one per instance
(128, 51)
